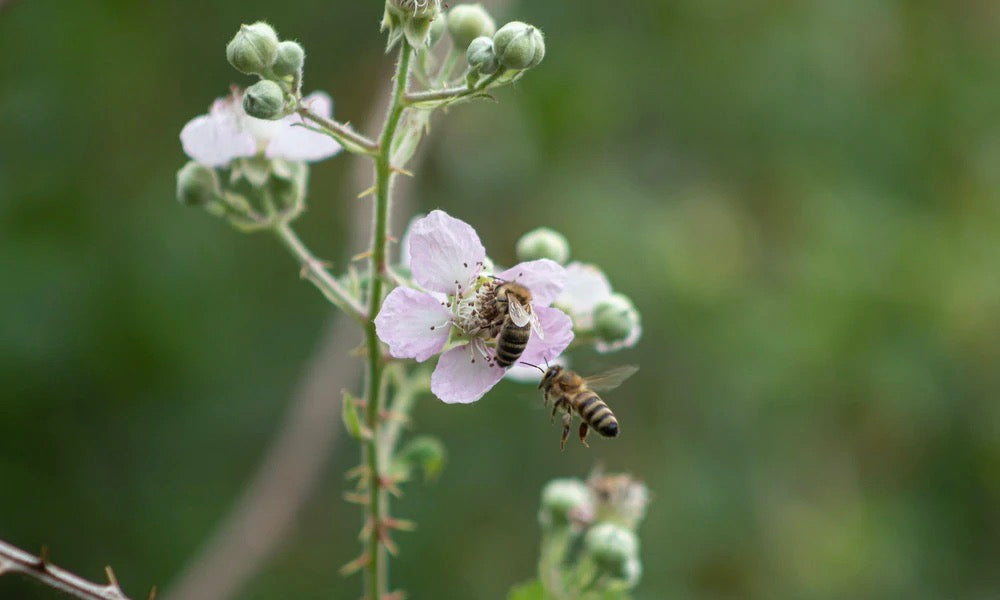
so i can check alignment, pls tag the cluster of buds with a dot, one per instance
(514, 47)
(609, 318)
(605, 511)
(256, 50)
(412, 19)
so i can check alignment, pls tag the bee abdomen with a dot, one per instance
(511, 343)
(596, 413)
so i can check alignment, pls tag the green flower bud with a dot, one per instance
(466, 22)
(619, 498)
(289, 60)
(426, 452)
(615, 318)
(437, 29)
(519, 45)
(412, 18)
(253, 49)
(264, 100)
(197, 184)
(481, 57)
(563, 502)
(614, 549)
(543, 243)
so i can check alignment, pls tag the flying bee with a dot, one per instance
(573, 393)
(516, 321)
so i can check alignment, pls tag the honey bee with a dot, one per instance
(571, 392)
(516, 322)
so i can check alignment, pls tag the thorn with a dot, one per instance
(355, 565)
(390, 484)
(366, 531)
(391, 239)
(367, 192)
(401, 171)
(356, 498)
(400, 524)
(361, 256)
(391, 415)
(152, 593)
(306, 266)
(43, 557)
(360, 472)
(111, 577)
(385, 540)
(397, 595)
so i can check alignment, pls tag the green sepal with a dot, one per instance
(424, 452)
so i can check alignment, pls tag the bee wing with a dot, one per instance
(610, 379)
(536, 326)
(518, 314)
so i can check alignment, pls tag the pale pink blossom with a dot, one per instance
(227, 133)
(446, 260)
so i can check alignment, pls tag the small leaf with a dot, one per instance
(532, 590)
(350, 416)
(426, 452)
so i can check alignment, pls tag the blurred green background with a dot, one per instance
(802, 199)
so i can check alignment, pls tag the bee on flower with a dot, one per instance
(454, 314)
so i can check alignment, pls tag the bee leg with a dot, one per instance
(555, 407)
(583, 434)
(567, 419)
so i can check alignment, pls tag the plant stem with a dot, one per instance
(375, 567)
(453, 93)
(312, 269)
(348, 138)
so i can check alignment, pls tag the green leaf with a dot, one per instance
(426, 452)
(532, 590)
(349, 414)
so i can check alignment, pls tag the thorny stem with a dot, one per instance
(15, 560)
(452, 93)
(314, 271)
(377, 509)
(348, 138)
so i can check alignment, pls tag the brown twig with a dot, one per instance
(15, 560)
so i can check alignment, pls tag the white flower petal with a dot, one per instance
(293, 142)
(545, 278)
(558, 328)
(586, 286)
(413, 324)
(633, 337)
(444, 252)
(216, 139)
(525, 374)
(462, 375)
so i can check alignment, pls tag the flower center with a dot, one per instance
(475, 312)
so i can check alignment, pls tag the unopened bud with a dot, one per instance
(410, 18)
(565, 501)
(264, 100)
(438, 26)
(615, 318)
(197, 184)
(426, 452)
(543, 243)
(614, 549)
(481, 57)
(253, 49)
(519, 45)
(619, 498)
(466, 22)
(290, 59)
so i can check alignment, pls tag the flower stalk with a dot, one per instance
(375, 568)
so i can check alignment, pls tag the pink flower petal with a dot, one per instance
(558, 330)
(413, 324)
(586, 286)
(443, 251)
(293, 142)
(545, 278)
(216, 139)
(463, 376)
(525, 374)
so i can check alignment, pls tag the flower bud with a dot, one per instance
(426, 452)
(619, 499)
(264, 100)
(543, 243)
(253, 49)
(437, 29)
(466, 22)
(481, 57)
(614, 549)
(563, 502)
(197, 184)
(289, 59)
(519, 45)
(410, 18)
(615, 318)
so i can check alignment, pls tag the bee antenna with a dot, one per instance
(531, 365)
(546, 361)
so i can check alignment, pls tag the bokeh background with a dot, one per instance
(801, 198)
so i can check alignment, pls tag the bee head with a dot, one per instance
(550, 374)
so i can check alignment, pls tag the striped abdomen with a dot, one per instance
(511, 342)
(596, 413)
